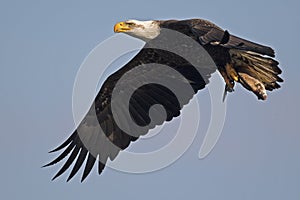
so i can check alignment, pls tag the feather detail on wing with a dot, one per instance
(99, 137)
(217, 36)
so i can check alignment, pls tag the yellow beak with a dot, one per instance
(121, 27)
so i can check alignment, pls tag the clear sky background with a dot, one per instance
(42, 45)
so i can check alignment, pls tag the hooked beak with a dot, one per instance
(121, 27)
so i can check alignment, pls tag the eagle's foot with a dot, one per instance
(231, 73)
(254, 85)
(261, 91)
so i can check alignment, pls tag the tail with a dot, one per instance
(255, 72)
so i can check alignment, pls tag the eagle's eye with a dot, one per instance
(130, 23)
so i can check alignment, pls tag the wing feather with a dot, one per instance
(216, 36)
(82, 155)
(113, 139)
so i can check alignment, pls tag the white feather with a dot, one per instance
(145, 30)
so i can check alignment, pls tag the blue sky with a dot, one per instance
(42, 47)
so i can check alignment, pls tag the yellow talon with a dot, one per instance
(231, 72)
(235, 77)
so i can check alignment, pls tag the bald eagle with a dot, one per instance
(238, 60)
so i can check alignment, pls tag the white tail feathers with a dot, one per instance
(256, 73)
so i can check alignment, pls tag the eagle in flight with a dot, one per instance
(100, 136)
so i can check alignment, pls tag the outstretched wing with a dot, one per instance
(211, 34)
(107, 128)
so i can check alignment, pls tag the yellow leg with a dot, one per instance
(231, 73)
(229, 82)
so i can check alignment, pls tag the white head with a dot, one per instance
(145, 30)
